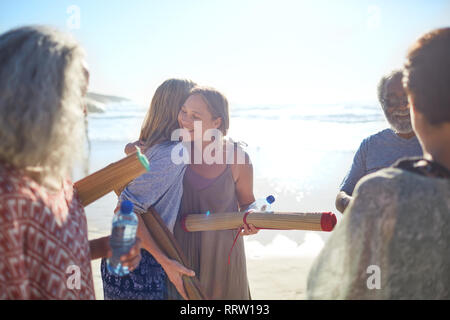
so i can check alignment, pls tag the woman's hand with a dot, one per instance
(131, 147)
(132, 258)
(248, 230)
(175, 271)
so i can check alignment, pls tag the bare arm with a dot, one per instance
(244, 183)
(244, 190)
(342, 201)
(100, 248)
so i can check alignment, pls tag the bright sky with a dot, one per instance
(255, 51)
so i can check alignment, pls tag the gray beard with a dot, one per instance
(400, 126)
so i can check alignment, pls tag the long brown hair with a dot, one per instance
(162, 116)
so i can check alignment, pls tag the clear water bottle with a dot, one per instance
(262, 205)
(123, 237)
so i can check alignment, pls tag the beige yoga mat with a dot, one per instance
(320, 221)
(168, 244)
(114, 177)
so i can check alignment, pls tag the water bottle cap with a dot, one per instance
(126, 207)
(270, 199)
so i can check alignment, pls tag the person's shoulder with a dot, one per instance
(13, 183)
(374, 138)
(20, 197)
(166, 156)
(161, 151)
(384, 176)
(236, 152)
(380, 135)
(378, 183)
(389, 182)
(165, 145)
(374, 196)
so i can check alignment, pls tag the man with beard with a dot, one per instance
(384, 148)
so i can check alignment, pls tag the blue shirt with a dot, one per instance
(379, 151)
(161, 187)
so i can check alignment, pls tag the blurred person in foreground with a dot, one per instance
(44, 247)
(394, 240)
(384, 148)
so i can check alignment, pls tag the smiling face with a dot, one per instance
(396, 107)
(195, 109)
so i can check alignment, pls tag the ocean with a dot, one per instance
(300, 154)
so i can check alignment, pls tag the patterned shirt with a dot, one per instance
(44, 247)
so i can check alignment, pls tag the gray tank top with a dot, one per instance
(207, 251)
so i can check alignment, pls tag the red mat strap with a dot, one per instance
(244, 220)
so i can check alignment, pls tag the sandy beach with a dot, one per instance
(278, 278)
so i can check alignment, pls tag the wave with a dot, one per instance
(326, 113)
(122, 121)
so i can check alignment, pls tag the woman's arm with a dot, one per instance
(243, 174)
(100, 249)
(244, 186)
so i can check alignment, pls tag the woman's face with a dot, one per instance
(194, 110)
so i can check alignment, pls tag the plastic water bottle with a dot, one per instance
(262, 205)
(123, 237)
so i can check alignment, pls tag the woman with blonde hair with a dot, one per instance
(160, 188)
(43, 228)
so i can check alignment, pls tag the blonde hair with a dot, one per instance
(42, 82)
(162, 116)
(217, 104)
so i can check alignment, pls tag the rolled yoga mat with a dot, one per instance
(320, 221)
(114, 177)
(168, 244)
